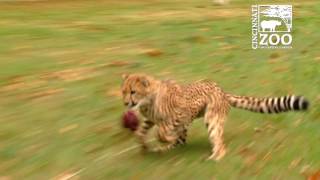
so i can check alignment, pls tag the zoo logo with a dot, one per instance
(271, 26)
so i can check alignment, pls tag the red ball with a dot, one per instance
(130, 120)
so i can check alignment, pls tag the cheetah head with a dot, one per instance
(137, 89)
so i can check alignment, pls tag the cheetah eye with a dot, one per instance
(132, 92)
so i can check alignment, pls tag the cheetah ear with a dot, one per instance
(145, 82)
(125, 76)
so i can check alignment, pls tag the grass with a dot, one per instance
(60, 103)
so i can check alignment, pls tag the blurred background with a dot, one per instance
(60, 101)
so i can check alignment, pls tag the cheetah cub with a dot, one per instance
(172, 107)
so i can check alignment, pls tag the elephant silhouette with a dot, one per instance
(271, 25)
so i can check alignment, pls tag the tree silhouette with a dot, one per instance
(282, 11)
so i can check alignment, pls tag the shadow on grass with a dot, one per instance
(196, 150)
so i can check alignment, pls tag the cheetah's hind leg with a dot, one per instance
(215, 121)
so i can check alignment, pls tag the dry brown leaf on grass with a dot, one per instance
(317, 59)
(281, 69)
(228, 47)
(102, 129)
(5, 178)
(12, 87)
(43, 94)
(196, 14)
(305, 170)
(265, 127)
(68, 128)
(22, 84)
(273, 61)
(67, 175)
(257, 130)
(205, 29)
(250, 159)
(197, 39)
(112, 48)
(267, 157)
(297, 122)
(117, 64)
(74, 74)
(13, 83)
(304, 51)
(294, 163)
(32, 149)
(218, 37)
(248, 155)
(274, 55)
(264, 82)
(153, 52)
(92, 148)
(178, 162)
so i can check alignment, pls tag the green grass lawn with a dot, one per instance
(60, 74)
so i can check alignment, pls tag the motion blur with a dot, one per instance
(61, 104)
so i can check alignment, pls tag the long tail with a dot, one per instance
(270, 104)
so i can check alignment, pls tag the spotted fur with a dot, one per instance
(172, 107)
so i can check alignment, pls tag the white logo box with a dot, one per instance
(271, 26)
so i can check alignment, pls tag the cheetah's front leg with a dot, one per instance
(142, 132)
(172, 134)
